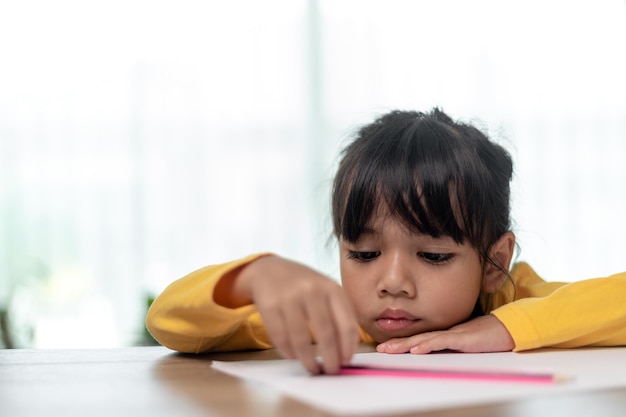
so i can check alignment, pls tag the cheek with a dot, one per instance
(462, 295)
(467, 277)
(348, 280)
(464, 298)
(452, 291)
(355, 285)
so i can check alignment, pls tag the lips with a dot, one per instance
(395, 319)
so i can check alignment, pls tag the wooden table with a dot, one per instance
(153, 381)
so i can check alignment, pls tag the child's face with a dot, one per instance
(402, 283)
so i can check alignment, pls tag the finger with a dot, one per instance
(323, 325)
(300, 338)
(347, 329)
(439, 341)
(400, 344)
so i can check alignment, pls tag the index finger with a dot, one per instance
(347, 328)
(323, 325)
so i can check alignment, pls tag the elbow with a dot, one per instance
(167, 332)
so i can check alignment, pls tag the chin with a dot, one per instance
(381, 336)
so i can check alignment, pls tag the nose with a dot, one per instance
(396, 277)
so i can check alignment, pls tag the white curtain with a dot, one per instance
(140, 140)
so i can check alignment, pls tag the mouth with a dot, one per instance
(395, 320)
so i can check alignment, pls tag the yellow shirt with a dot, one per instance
(536, 313)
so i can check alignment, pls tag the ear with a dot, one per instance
(502, 253)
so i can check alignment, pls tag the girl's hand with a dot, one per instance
(294, 300)
(482, 334)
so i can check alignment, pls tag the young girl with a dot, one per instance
(420, 209)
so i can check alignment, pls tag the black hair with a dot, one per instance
(437, 176)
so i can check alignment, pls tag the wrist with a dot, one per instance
(234, 288)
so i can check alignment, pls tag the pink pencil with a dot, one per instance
(456, 374)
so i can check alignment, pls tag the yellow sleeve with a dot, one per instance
(185, 318)
(563, 315)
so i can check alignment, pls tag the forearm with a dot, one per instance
(585, 313)
(187, 317)
(234, 289)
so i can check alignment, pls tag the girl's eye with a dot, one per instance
(435, 258)
(363, 256)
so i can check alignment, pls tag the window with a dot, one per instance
(141, 140)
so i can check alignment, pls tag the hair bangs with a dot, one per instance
(422, 193)
(407, 181)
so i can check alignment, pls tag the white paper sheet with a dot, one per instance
(592, 368)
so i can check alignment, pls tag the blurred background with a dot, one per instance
(141, 140)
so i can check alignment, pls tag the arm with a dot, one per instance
(186, 316)
(545, 314)
(584, 313)
(211, 309)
